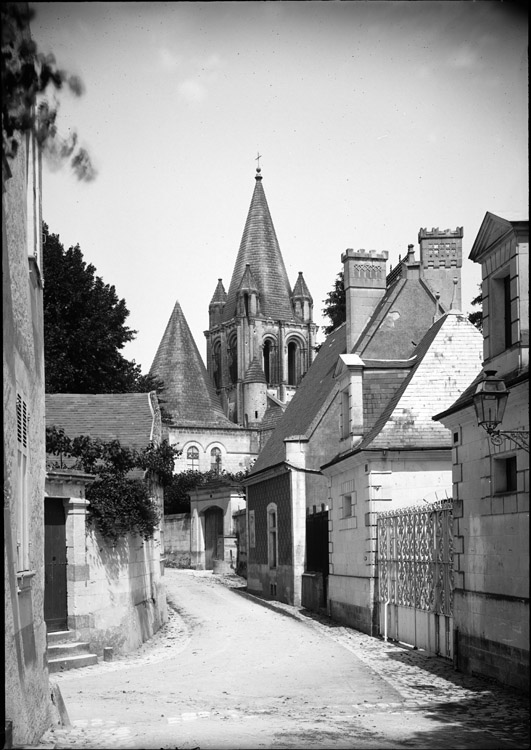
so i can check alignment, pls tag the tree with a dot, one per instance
(119, 504)
(29, 82)
(476, 317)
(335, 305)
(84, 328)
(177, 492)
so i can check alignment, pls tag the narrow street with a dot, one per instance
(229, 671)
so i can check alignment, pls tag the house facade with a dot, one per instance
(110, 596)
(357, 436)
(27, 690)
(491, 476)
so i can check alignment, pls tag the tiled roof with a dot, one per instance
(260, 249)
(126, 417)
(188, 393)
(316, 386)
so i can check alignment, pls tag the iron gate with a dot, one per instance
(415, 571)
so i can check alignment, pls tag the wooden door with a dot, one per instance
(55, 607)
(213, 530)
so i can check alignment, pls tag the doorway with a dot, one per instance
(55, 601)
(213, 530)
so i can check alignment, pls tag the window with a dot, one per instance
(215, 460)
(348, 506)
(500, 313)
(505, 474)
(272, 536)
(345, 414)
(22, 484)
(216, 362)
(233, 359)
(192, 458)
(293, 364)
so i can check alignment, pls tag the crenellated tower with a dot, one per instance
(261, 335)
(441, 258)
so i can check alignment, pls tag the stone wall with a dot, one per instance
(177, 540)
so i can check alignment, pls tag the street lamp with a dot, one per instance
(490, 400)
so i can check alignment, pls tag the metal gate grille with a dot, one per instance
(415, 570)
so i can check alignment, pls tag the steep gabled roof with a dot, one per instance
(260, 249)
(399, 322)
(127, 417)
(311, 398)
(188, 394)
(445, 361)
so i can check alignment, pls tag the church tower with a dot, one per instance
(261, 334)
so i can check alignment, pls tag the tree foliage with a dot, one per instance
(30, 81)
(119, 504)
(84, 328)
(335, 305)
(177, 493)
(476, 317)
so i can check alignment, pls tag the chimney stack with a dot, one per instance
(364, 273)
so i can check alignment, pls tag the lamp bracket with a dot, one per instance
(519, 437)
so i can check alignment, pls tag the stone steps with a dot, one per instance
(64, 652)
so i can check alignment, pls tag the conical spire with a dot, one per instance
(220, 295)
(260, 249)
(255, 373)
(188, 392)
(301, 290)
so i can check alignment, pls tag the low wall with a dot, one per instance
(124, 603)
(177, 540)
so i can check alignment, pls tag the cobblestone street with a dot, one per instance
(417, 700)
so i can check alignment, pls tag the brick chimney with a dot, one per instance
(364, 274)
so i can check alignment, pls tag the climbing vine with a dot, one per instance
(118, 502)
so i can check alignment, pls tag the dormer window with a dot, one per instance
(500, 320)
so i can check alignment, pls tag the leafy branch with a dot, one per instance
(28, 78)
(118, 503)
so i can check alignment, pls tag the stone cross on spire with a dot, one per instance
(258, 160)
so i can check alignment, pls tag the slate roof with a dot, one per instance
(188, 394)
(399, 321)
(126, 417)
(260, 249)
(309, 399)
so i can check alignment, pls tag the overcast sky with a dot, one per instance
(373, 119)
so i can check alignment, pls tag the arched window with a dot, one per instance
(267, 361)
(294, 371)
(192, 458)
(272, 535)
(269, 355)
(216, 357)
(215, 460)
(233, 359)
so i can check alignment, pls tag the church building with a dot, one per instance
(260, 343)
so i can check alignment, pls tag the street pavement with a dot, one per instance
(208, 679)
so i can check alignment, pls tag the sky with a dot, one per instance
(373, 119)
